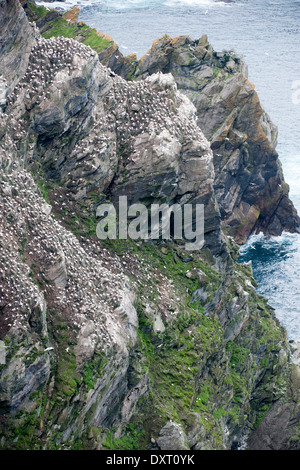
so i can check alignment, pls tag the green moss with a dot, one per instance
(174, 363)
(39, 11)
(66, 380)
(86, 227)
(60, 27)
(26, 432)
(95, 41)
(43, 187)
(268, 331)
(80, 31)
(264, 408)
(234, 414)
(92, 371)
(204, 393)
(239, 355)
(219, 413)
(129, 441)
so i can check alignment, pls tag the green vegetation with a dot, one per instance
(80, 31)
(174, 364)
(191, 369)
(66, 381)
(92, 39)
(129, 441)
(92, 371)
(43, 187)
(174, 359)
(26, 433)
(60, 27)
(216, 71)
(39, 11)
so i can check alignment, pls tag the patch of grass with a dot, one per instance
(43, 187)
(265, 407)
(175, 360)
(66, 380)
(92, 371)
(79, 31)
(25, 433)
(95, 41)
(39, 11)
(60, 27)
(219, 413)
(129, 441)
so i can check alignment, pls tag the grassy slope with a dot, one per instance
(59, 26)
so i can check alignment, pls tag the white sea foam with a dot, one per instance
(118, 4)
(122, 4)
(68, 4)
(200, 3)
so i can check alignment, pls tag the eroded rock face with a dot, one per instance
(17, 39)
(78, 121)
(278, 430)
(49, 285)
(168, 157)
(93, 131)
(172, 437)
(249, 184)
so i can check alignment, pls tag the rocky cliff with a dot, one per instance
(123, 344)
(249, 184)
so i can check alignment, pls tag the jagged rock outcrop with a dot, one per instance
(17, 38)
(138, 139)
(280, 428)
(120, 344)
(171, 437)
(249, 184)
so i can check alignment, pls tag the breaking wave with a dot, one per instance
(129, 4)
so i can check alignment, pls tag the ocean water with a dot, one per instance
(266, 33)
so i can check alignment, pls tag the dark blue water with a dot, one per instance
(266, 33)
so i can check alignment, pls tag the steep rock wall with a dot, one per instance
(249, 183)
(17, 40)
(121, 344)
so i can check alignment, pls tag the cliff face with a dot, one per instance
(121, 344)
(249, 183)
(17, 39)
(147, 142)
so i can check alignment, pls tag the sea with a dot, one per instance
(267, 34)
